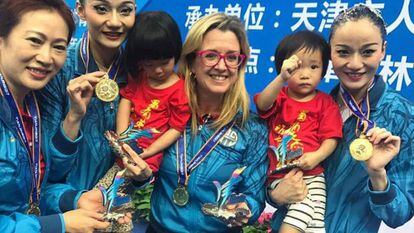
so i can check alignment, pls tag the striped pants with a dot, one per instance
(308, 215)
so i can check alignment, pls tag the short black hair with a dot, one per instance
(308, 40)
(155, 36)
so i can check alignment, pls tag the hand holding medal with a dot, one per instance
(107, 89)
(361, 148)
(385, 147)
(80, 91)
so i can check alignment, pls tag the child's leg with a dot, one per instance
(298, 216)
(317, 191)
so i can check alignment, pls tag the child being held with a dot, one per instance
(302, 121)
(154, 97)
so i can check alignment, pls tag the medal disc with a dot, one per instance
(361, 149)
(107, 90)
(33, 209)
(180, 196)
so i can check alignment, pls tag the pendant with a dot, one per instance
(107, 89)
(180, 196)
(361, 148)
(33, 209)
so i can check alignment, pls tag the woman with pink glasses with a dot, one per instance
(223, 149)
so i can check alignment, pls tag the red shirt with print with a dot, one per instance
(161, 109)
(309, 123)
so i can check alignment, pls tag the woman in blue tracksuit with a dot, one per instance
(361, 194)
(33, 38)
(213, 63)
(75, 118)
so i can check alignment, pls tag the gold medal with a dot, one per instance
(361, 148)
(180, 196)
(107, 89)
(33, 209)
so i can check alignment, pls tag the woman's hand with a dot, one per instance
(83, 221)
(240, 218)
(93, 201)
(385, 147)
(139, 171)
(80, 91)
(292, 188)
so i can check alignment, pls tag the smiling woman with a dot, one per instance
(33, 39)
(74, 117)
(361, 194)
(224, 141)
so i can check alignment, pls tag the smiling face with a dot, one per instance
(34, 51)
(357, 49)
(215, 81)
(304, 80)
(108, 21)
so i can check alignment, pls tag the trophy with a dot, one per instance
(128, 136)
(287, 159)
(226, 197)
(116, 202)
(117, 198)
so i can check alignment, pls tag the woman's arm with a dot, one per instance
(391, 179)
(80, 91)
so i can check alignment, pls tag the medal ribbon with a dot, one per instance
(84, 52)
(34, 155)
(361, 112)
(182, 170)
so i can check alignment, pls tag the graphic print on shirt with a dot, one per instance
(146, 113)
(287, 141)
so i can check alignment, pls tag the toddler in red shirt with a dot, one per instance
(154, 97)
(304, 124)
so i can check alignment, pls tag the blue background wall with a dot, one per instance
(268, 21)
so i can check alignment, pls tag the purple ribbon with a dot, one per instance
(84, 52)
(361, 112)
(34, 155)
(182, 169)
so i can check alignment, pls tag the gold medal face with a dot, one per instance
(33, 210)
(107, 90)
(361, 149)
(180, 196)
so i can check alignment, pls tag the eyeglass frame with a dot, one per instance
(222, 56)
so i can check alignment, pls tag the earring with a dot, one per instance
(192, 75)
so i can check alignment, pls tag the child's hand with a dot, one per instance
(289, 66)
(308, 161)
(146, 153)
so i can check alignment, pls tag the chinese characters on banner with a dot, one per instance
(268, 21)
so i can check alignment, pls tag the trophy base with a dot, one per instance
(227, 216)
(118, 212)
